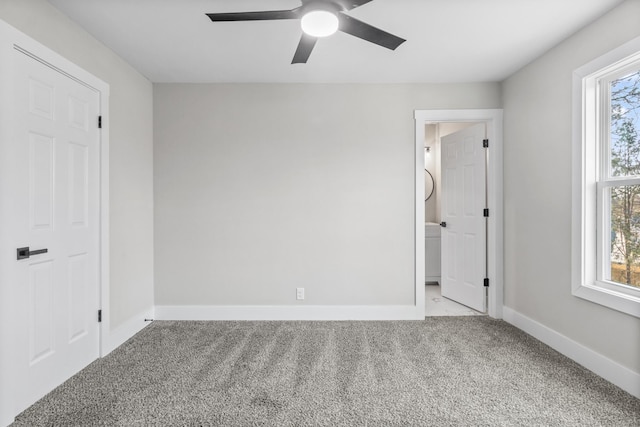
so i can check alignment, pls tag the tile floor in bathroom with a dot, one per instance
(437, 305)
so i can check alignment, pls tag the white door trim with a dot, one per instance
(10, 40)
(493, 119)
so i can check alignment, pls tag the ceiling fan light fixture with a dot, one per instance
(319, 23)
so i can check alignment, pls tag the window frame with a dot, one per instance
(591, 180)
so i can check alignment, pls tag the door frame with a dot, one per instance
(11, 40)
(495, 245)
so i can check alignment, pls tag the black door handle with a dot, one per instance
(443, 224)
(23, 253)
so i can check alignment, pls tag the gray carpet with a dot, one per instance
(444, 371)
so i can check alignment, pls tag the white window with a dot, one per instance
(606, 180)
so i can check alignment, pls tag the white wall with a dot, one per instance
(131, 143)
(262, 188)
(537, 193)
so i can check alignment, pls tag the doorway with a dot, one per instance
(492, 121)
(455, 228)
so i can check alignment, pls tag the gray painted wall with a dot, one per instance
(537, 193)
(262, 188)
(131, 155)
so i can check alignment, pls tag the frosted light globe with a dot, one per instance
(319, 23)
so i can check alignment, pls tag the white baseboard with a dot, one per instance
(608, 369)
(301, 312)
(129, 328)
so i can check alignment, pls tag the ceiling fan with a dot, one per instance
(319, 18)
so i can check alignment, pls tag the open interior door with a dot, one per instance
(464, 253)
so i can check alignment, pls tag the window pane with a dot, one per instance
(625, 235)
(625, 125)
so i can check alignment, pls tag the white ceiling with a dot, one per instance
(447, 40)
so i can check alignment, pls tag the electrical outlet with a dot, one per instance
(300, 293)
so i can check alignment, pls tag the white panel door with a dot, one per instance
(464, 199)
(55, 208)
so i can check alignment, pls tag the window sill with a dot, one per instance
(619, 301)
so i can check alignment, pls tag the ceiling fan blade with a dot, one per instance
(352, 4)
(369, 33)
(255, 16)
(304, 49)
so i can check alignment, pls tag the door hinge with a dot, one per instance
(486, 281)
(99, 122)
(485, 143)
(99, 315)
(485, 212)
